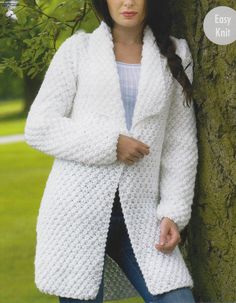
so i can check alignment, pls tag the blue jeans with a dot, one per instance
(119, 248)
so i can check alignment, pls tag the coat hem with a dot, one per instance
(58, 293)
(173, 287)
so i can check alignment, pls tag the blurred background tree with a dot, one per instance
(30, 33)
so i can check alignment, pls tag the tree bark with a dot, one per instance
(210, 238)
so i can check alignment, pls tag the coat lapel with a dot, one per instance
(152, 87)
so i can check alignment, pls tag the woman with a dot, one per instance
(89, 248)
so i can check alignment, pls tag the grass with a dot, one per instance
(23, 175)
(12, 120)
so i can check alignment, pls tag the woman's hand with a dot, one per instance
(130, 150)
(169, 236)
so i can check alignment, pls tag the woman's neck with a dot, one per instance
(127, 36)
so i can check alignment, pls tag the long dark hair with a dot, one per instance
(159, 19)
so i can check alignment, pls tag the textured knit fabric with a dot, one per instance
(119, 248)
(77, 117)
(129, 77)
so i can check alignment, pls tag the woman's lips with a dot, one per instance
(128, 14)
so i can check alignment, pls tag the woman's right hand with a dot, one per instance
(130, 149)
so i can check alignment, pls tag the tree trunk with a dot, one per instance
(31, 87)
(210, 238)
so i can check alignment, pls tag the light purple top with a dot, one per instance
(129, 78)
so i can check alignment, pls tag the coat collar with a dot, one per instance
(151, 89)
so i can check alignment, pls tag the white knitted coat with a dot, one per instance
(77, 117)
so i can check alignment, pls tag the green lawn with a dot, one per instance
(23, 175)
(12, 120)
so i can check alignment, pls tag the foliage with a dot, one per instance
(28, 43)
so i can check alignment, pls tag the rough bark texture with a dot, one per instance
(209, 241)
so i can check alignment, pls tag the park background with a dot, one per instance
(31, 31)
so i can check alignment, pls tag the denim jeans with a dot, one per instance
(119, 248)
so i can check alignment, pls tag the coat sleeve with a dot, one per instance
(179, 158)
(91, 140)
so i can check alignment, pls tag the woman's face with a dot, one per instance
(117, 7)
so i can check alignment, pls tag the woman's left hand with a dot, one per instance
(169, 236)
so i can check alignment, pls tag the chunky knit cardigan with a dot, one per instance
(77, 117)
